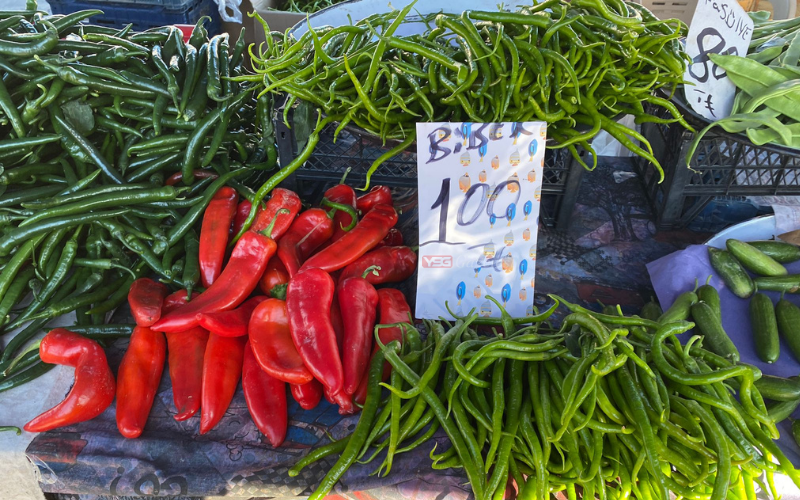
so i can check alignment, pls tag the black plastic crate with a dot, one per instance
(357, 150)
(144, 14)
(723, 165)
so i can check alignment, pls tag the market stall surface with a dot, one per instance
(601, 257)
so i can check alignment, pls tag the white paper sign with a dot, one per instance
(479, 193)
(718, 27)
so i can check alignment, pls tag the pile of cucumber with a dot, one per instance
(765, 259)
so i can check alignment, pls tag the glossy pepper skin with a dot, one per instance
(361, 239)
(308, 294)
(234, 285)
(272, 344)
(232, 323)
(396, 264)
(214, 233)
(344, 194)
(282, 199)
(186, 352)
(378, 195)
(307, 395)
(138, 378)
(146, 298)
(242, 211)
(358, 301)
(310, 230)
(94, 387)
(222, 369)
(275, 274)
(394, 238)
(337, 322)
(266, 399)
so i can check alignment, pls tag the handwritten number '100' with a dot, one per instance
(443, 200)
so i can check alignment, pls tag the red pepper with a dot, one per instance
(393, 239)
(394, 264)
(231, 323)
(242, 211)
(272, 343)
(200, 174)
(222, 369)
(275, 274)
(309, 293)
(266, 399)
(337, 321)
(282, 199)
(358, 300)
(146, 298)
(93, 390)
(310, 230)
(234, 285)
(138, 378)
(392, 308)
(345, 195)
(307, 395)
(361, 239)
(186, 352)
(214, 233)
(378, 195)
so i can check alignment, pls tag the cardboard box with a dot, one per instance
(254, 32)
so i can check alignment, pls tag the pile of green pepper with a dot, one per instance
(112, 143)
(608, 406)
(575, 65)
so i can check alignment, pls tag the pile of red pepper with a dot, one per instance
(294, 303)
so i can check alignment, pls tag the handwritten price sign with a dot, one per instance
(718, 27)
(479, 193)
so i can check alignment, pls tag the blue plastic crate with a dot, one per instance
(144, 14)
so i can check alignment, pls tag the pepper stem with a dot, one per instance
(344, 208)
(279, 291)
(13, 428)
(345, 175)
(268, 231)
(371, 269)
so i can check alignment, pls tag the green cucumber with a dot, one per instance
(731, 272)
(789, 283)
(754, 259)
(779, 250)
(715, 338)
(710, 296)
(778, 388)
(783, 410)
(788, 316)
(765, 328)
(679, 310)
(796, 431)
(651, 310)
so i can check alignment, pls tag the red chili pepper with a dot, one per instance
(234, 285)
(361, 239)
(392, 308)
(200, 174)
(272, 343)
(282, 199)
(266, 399)
(146, 298)
(93, 390)
(222, 369)
(337, 322)
(378, 195)
(307, 395)
(186, 352)
(393, 239)
(275, 274)
(310, 230)
(393, 265)
(214, 233)
(231, 323)
(309, 293)
(358, 300)
(138, 378)
(242, 211)
(345, 195)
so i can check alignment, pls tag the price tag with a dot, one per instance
(480, 185)
(718, 27)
